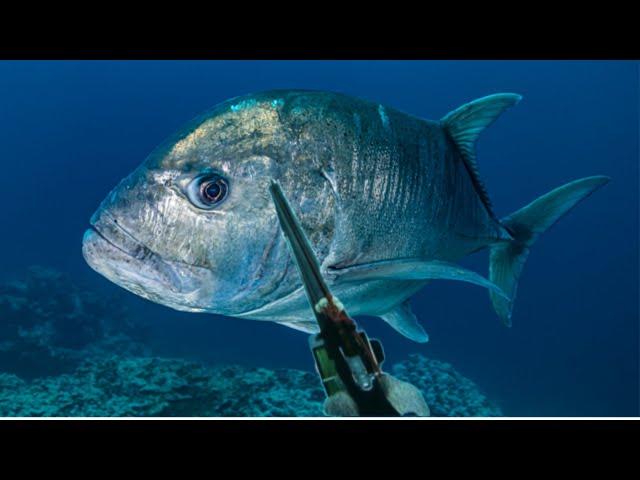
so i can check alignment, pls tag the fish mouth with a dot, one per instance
(110, 231)
(116, 254)
(140, 252)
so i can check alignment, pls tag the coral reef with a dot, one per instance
(447, 393)
(48, 325)
(65, 351)
(139, 386)
(143, 386)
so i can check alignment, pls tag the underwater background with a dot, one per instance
(70, 130)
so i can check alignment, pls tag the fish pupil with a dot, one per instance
(214, 191)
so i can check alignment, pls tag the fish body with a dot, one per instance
(389, 202)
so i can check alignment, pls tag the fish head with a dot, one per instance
(194, 227)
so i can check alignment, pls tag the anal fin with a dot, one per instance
(402, 319)
(306, 327)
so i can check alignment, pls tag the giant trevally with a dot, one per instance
(389, 201)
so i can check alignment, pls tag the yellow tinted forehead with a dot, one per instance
(248, 125)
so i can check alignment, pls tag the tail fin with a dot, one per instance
(507, 258)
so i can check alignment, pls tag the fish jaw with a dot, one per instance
(118, 256)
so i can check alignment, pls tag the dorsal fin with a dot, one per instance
(464, 126)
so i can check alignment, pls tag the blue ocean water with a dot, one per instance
(71, 130)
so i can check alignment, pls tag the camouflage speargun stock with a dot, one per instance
(348, 363)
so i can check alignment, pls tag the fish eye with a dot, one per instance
(207, 191)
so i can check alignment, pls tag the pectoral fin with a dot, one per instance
(412, 269)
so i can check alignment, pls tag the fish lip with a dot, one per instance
(138, 252)
(143, 252)
(146, 251)
(109, 241)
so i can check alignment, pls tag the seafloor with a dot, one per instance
(67, 351)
